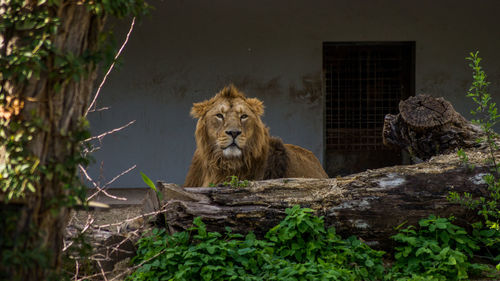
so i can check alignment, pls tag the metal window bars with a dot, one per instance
(363, 83)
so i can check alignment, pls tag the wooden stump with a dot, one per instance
(428, 126)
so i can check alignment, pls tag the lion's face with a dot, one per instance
(229, 124)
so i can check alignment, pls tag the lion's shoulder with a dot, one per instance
(291, 161)
(303, 163)
(277, 160)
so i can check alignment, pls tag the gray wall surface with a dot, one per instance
(188, 50)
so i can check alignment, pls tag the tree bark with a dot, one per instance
(369, 204)
(61, 112)
(428, 126)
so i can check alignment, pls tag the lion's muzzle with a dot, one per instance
(234, 133)
(233, 150)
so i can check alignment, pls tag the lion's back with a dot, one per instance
(303, 163)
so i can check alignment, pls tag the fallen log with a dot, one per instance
(369, 204)
(428, 126)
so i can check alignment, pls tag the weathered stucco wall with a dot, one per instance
(187, 50)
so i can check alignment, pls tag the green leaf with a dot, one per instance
(444, 237)
(211, 250)
(452, 261)
(245, 251)
(148, 181)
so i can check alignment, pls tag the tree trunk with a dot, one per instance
(369, 204)
(428, 126)
(59, 105)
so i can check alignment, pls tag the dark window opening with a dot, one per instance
(363, 83)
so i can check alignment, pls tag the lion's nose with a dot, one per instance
(234, 133)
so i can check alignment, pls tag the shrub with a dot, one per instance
(299, 248)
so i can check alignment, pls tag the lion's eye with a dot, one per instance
(220, 116)
(244, 116)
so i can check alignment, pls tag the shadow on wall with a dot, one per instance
(342, 163)
(309, 90)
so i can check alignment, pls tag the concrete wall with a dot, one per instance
(187, 50)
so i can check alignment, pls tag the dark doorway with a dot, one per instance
(364, 81)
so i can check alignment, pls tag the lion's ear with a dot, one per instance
(256, 105)
(199, 109)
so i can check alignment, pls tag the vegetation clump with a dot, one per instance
(488, 230)
(437, 250)
(301, 248)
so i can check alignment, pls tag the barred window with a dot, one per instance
(363, 83)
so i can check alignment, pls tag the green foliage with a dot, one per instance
(487, 117)
(119, 9)
(299, 248)
(31, 50)
(438, 249)
(18, 174)
(302, 237)
(465, 159)
(34, 27)
(486, 109)
(235, 182)
(151, 185)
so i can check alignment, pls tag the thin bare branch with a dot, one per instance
(99, 137)
(84, 171)
(93, 149)
(102, 271)
(131, 269)
(90, 277)
(99, 189)
(77, 269)
(90, 221)
(100, 109)
(92, 104)
(131, 219)
(102, 189)
(120, 175)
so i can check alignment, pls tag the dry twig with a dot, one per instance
(92, 104)
(97, 184)
(99, 137)
(132, 269)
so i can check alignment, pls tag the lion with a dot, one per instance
(232, 140)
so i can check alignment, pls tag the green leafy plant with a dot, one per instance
(438, 249)
(302, 237)
(151, 185)
(487, 117)
(465, 159)
(235, 182)
(299, 248)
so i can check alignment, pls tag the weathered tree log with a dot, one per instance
(428, 126)
(369, 204)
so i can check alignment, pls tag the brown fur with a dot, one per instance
(252, 154)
